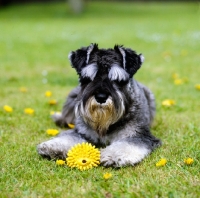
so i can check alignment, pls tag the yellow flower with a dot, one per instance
(168, 103)
(48, 93)
(162, 162)
(60, 162)
(83, 156)
(179, 81)
(188, 161)
(23, 89)
(197, 86)
(107, 175)
(52, 132)
(52, 102)
(8, 108)
(29, 111)
(71, 126)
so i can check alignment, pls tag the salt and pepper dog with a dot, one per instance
(109, 108)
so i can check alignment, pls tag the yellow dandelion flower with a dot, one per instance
(197, 86)
(168, 103)
(60, 162)
(48, 94)
(52, 102)
(107, 175)
(179, 81)
(52, 132)
(71, 126)
(188, 161)
(162, 162)
(23, 89)
(83, 156)
(29, 111)
(8, 108)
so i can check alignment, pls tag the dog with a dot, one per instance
(109, 108)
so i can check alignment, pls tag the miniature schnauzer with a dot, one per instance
(109, 108)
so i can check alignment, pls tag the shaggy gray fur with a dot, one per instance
(109, 108)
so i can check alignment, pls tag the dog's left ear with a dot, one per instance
(131, 61)
(80, 58)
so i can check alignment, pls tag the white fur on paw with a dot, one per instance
(58, 146)
(53, 148)
(122, 154)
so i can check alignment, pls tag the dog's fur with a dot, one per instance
(109, 108)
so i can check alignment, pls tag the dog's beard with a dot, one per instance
(99, 116)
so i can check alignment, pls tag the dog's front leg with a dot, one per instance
(58, 147)
(123, 153)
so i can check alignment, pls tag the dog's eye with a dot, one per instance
(85, 80)
(122, 82)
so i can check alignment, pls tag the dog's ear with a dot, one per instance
(80, 58)
(131, 61)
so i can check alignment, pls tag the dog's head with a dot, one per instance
(104, 76)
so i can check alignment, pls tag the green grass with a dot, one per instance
(35, 39)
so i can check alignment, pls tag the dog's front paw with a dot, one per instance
(58, 147)
(52, 150)
(111, 158)
(122, 154)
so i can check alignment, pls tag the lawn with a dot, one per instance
(34, 44)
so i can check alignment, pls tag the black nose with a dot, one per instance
(101, 97)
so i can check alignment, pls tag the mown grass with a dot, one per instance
(34, 43)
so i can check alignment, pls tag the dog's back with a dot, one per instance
(151, 101)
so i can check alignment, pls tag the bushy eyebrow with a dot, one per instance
(117, 73)
(90, 71)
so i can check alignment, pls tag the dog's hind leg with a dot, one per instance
(68, 115)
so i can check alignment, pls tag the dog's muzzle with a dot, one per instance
(101, 109)
(99, 112)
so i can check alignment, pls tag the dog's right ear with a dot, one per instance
(80, 58)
